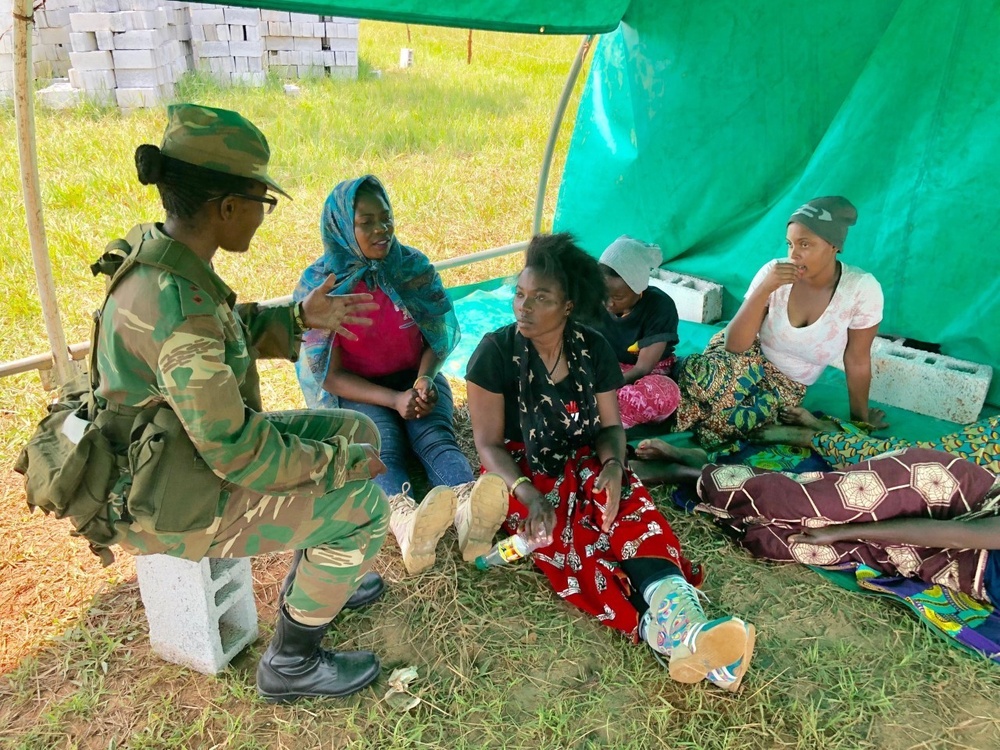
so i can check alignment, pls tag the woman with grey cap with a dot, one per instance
(640, 323)
(800, 314)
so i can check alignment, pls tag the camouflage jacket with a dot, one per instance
(163, 339)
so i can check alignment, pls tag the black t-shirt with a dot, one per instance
(492, 367)
(652, 320)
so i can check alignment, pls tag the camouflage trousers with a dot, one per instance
(340, 531)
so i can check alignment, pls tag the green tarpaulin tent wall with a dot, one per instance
(704, 125)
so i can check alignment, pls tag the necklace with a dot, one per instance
(556, 363)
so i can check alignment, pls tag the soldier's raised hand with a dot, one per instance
(320, 310)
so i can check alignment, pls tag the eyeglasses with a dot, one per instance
(269, 201)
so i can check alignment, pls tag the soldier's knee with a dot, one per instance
(367, 432)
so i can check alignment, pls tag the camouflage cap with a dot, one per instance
(217, 139)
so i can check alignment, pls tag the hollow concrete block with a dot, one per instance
(697, 300)
(927, 383)
(201, 614)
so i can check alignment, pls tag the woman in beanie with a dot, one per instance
(640, 323)
(177, 354)
(799, 315)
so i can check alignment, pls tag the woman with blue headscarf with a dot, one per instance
(390, 373)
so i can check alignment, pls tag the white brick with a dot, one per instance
(198, 33)
(106, 6)
(222, 32)
(308, 43)
(211, 33)
(302, 17)
(207, 16)
(252, 33)
(139, 39)
(93, 80)
(135, 58)
(84, 61)
(697, 300)
(926, 383)
(274, 15)
(200, 614)
(58, 95)
(246, 49)
(284, 29)
(90, 22)
(143, 19)
(279, 42)
(352, 31)
(246, 16)
(83, 41)
(212, 49)
(343, 44)
(137, 79)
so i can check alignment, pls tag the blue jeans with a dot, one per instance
(431, 438)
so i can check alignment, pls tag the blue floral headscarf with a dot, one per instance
(405, 275)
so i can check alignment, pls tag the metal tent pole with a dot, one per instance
(24, 116)
(543, 177)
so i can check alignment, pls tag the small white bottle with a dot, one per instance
(512, 548)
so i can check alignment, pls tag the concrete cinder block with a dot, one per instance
(59, 95)
(135, 58)
(85, 61)
(247, 49)
(201, 614)
(139, 39)
(245, 16)
(85, 41)
(926, 383)
(207, 16)
(138, 98)
(274, 15)
(105, 39)
(211, 49)
(697, 300)
(91, 21)
(308, 43)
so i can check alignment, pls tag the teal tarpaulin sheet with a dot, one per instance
(703, 126)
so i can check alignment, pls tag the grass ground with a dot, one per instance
(502, 663)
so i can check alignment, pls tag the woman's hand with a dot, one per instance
(408, 404)
(781, 273)
(333, 313)
(876, 418)
(427, 394)
(824, 535)
(541, 520)
(610, 482)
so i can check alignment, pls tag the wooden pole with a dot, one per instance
(24, 116)
(468, 59)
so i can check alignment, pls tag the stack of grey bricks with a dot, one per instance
(129, 52)
(300, 45)
(226, 43)
(50, 48)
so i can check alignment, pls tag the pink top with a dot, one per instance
(803, 353)
(392, 343)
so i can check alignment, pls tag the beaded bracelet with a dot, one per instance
(297, 317)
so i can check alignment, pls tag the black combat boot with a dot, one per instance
(294, 666)
(370, 587)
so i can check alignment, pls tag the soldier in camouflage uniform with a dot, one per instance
(294, 480)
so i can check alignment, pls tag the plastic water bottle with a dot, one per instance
(512, 548)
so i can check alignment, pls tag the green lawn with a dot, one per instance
(502, 662)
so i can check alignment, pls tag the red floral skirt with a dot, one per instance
(582, 563)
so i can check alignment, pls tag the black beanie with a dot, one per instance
(827, 217)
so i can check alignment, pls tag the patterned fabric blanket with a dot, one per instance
(957, 618)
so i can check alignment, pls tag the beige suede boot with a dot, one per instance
(482, 507)
(418, 528)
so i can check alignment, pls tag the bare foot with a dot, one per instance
(781, 434)
(655, 449)
(804, 418)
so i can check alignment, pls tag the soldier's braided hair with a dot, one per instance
(558, 257)
(184, 188)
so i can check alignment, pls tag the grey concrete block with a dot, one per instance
(245, 16)
(211, 49)
(91, 21)
(274, 15)
(84, 41)
(59, 95)
(84, 61)
(105, 39)
(201, 614)
(135, 58)
(925, 383)
(207, 16)
(139, 39)
(247, 49)
(697, 300)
